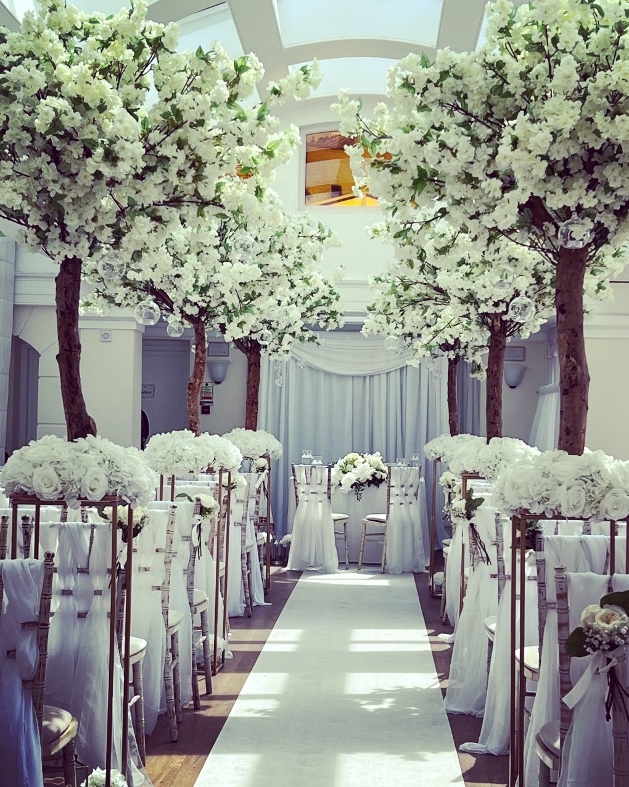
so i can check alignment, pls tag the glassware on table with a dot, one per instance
(306, 456)
(317, 460)
(401, 462)
(415, 459)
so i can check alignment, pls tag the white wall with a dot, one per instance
(519, 404)
(230, 397)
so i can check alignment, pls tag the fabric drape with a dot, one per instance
(349, 394)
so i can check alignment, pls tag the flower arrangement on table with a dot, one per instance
(89, 468)
(181, 453)
(557, 484)
(355, 471)
(255, 444)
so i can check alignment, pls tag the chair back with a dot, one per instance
(192, 560)
(563, 632)
(500, 555)
(168, 559)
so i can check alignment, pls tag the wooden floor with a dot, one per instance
(178, 764)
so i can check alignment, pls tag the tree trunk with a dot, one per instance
(253, 385)
(495, 370)
(574, 379)
(67, 295)
(196, 378)
(453, 412)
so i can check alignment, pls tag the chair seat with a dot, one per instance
(340, 517)
(446, 551)
(200, 600)
(174, 619)
(490, 627)
(249, 545)
(548, 744)
(446, 542)
(531, 661)
(377, 519)
(58, 728)
(261, 537)
(137, 649)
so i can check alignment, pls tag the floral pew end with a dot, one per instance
(603, 636)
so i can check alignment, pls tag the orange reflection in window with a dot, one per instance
(329, 179)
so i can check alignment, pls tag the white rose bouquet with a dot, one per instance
(90, 468)
(557, 484)
(355, 471)
(254, 444)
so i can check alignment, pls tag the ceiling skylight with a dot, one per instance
(363, 75)
(304, 22)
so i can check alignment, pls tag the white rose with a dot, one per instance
(588, 615)
(94, 484)
(572, 499)
(615, 504)
(46, 483)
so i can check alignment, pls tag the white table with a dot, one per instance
(373, 501)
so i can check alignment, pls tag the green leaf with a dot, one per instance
(575, 644)
(200, 54)
(620, 599)
(425, 61)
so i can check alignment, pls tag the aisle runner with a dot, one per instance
(344, 693)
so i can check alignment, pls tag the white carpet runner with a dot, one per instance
(343, 694)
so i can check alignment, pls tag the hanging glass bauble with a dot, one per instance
(301, 364)
(111, 267)
(264, 337)
(521, 309)
(243, 245)
(574, 234)
(431, 365)
(505, 281)
(279, 380)
(395, 344)
(147, 313)
(175, 329)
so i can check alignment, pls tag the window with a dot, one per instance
(329, 179)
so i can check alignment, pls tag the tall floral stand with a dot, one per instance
(18, 500)
(465, 485)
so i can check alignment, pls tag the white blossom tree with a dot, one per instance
(252, 274)
(443, 286)
(111, 142)
(526, 138)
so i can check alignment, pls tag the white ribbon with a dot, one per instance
(596, 665)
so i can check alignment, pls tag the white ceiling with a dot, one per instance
(359, 38)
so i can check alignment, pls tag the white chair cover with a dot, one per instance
(467, 683)
(20, 762)
(568, 551)
(235, 588)
(314, 543)
(405, 539)
(89, 696)
(494, 735)
(63, 642)
(146, 611)
(179, 592)
(257, 584)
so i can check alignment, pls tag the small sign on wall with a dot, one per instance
(148, 391)
(207, 397)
